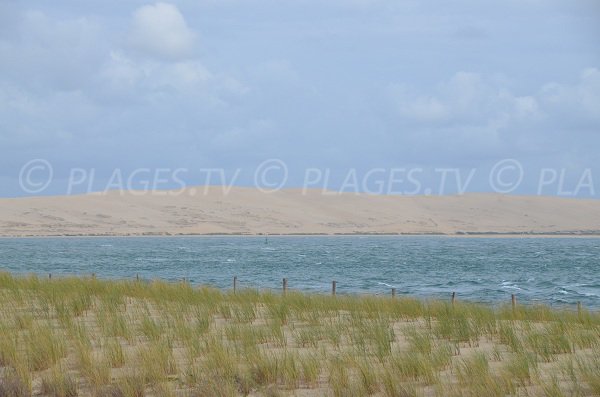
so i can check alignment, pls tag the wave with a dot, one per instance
(510, 285)
(590, 294)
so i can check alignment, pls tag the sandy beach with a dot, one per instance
(89, 337)
(248, 211)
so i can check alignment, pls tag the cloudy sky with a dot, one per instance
(338, 85)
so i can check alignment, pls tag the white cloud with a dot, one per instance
(420, 108)
(526, 107)
(160, 30)
(581, 99)
(478, 114)
(148, 80)
(121, 73)
(469, 98)
(299, 80)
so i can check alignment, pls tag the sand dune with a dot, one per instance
(248, 211)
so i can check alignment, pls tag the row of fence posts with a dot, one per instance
(513, 297)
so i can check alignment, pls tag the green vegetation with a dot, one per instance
(88, 337)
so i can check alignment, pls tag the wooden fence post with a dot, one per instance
(393, 292)
(453, 298)
(285, 286)
(513, 299)
(234, 284)
(333, 287)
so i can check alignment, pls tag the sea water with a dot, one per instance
(555, 271)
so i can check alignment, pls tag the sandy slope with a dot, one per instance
(248, 211)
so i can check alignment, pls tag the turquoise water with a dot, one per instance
(556, 271)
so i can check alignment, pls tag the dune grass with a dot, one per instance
(89, 337)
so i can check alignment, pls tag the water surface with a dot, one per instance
(557, 271)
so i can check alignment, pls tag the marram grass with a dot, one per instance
(88, 337)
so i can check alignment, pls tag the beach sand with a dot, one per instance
(208, 210)
(88, 337)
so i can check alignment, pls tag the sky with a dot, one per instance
(344, 95)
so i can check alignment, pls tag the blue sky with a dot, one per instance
(341, 85)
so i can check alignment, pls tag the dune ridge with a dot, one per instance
(247, 211)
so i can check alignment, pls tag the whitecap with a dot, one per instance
(157, 260)
(386, 284)
(510, 285)
(591, 294)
